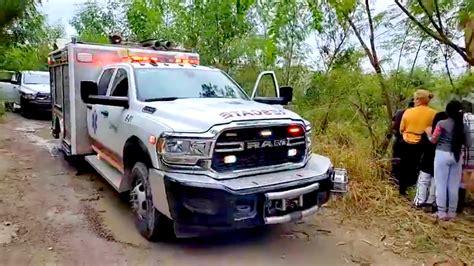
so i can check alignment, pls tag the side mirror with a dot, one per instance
(271, 100)
(109, 100)
(88, 88)
(89, 95)
(286, 95)
(286, 92)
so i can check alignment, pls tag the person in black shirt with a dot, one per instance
(396, 150)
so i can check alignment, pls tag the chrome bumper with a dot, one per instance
(291, 194)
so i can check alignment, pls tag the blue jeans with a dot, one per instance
(447, 174)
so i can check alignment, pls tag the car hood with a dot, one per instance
(199, 115)
(35, 88)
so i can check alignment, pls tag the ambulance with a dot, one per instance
(193, 151)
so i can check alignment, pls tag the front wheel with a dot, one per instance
(24, 110)
(151, 224)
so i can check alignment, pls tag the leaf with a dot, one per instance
(429, 6)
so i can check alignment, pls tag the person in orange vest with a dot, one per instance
(412, 127)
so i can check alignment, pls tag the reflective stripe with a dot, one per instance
(107, 155)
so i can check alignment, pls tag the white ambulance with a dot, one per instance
(196, 154)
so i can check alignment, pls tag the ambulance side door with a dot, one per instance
(117, 116)
(97, 113)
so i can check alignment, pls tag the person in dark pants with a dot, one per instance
(414, 122)
(398, 140)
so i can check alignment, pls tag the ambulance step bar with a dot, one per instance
(112, 175)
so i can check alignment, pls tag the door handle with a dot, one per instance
(89, 107)
(105, 113)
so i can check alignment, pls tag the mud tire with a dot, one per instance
(151, 224)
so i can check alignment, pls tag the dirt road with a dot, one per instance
(52, 214)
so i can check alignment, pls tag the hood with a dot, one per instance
(35, 88)
(198, 115)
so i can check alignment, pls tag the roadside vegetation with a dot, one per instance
(351, 64)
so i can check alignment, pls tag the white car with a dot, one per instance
(28, 91)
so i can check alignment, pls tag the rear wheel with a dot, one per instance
(151, 224)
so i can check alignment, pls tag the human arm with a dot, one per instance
(433, 137)
(403, 124)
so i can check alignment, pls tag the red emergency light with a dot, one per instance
(295, 130)
(107, 58)
(179, 59)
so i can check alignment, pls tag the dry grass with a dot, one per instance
(373, 203)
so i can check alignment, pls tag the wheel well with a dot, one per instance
(134, 151)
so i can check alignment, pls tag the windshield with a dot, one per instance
(36, 78)
(169, 84)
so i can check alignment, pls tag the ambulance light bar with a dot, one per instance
(163, 59)
(107, 58)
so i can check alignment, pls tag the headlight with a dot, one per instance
(183, 151)
(29, 96)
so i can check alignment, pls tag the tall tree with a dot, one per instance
(10, 10)
(95, 22)
(347, 10)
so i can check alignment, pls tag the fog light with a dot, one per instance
(230, 159)
(199, 205)
(265, 133)
(292, 152)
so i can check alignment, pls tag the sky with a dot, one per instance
(62, 11)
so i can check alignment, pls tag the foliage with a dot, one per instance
(348, 105)
(441, 19)
(27, 40)
(12, 11)
(94, 22)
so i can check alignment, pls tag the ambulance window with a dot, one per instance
(104, 81)
(120, 84)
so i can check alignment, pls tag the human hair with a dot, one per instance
(411, 103)
(422, 97)
(454, 111)
(438, 117)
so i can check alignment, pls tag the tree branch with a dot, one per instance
(371, 27)
(416, 58)
(401, 52)
(433, 22)
(362, 43)
(419, 24)
(337, 50)
(438, 14)
(446, 64)
(444, 40)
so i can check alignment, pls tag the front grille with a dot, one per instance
(43, 96)
(252, 150)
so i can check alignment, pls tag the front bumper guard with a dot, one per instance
(339, 180)
(290, 194)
